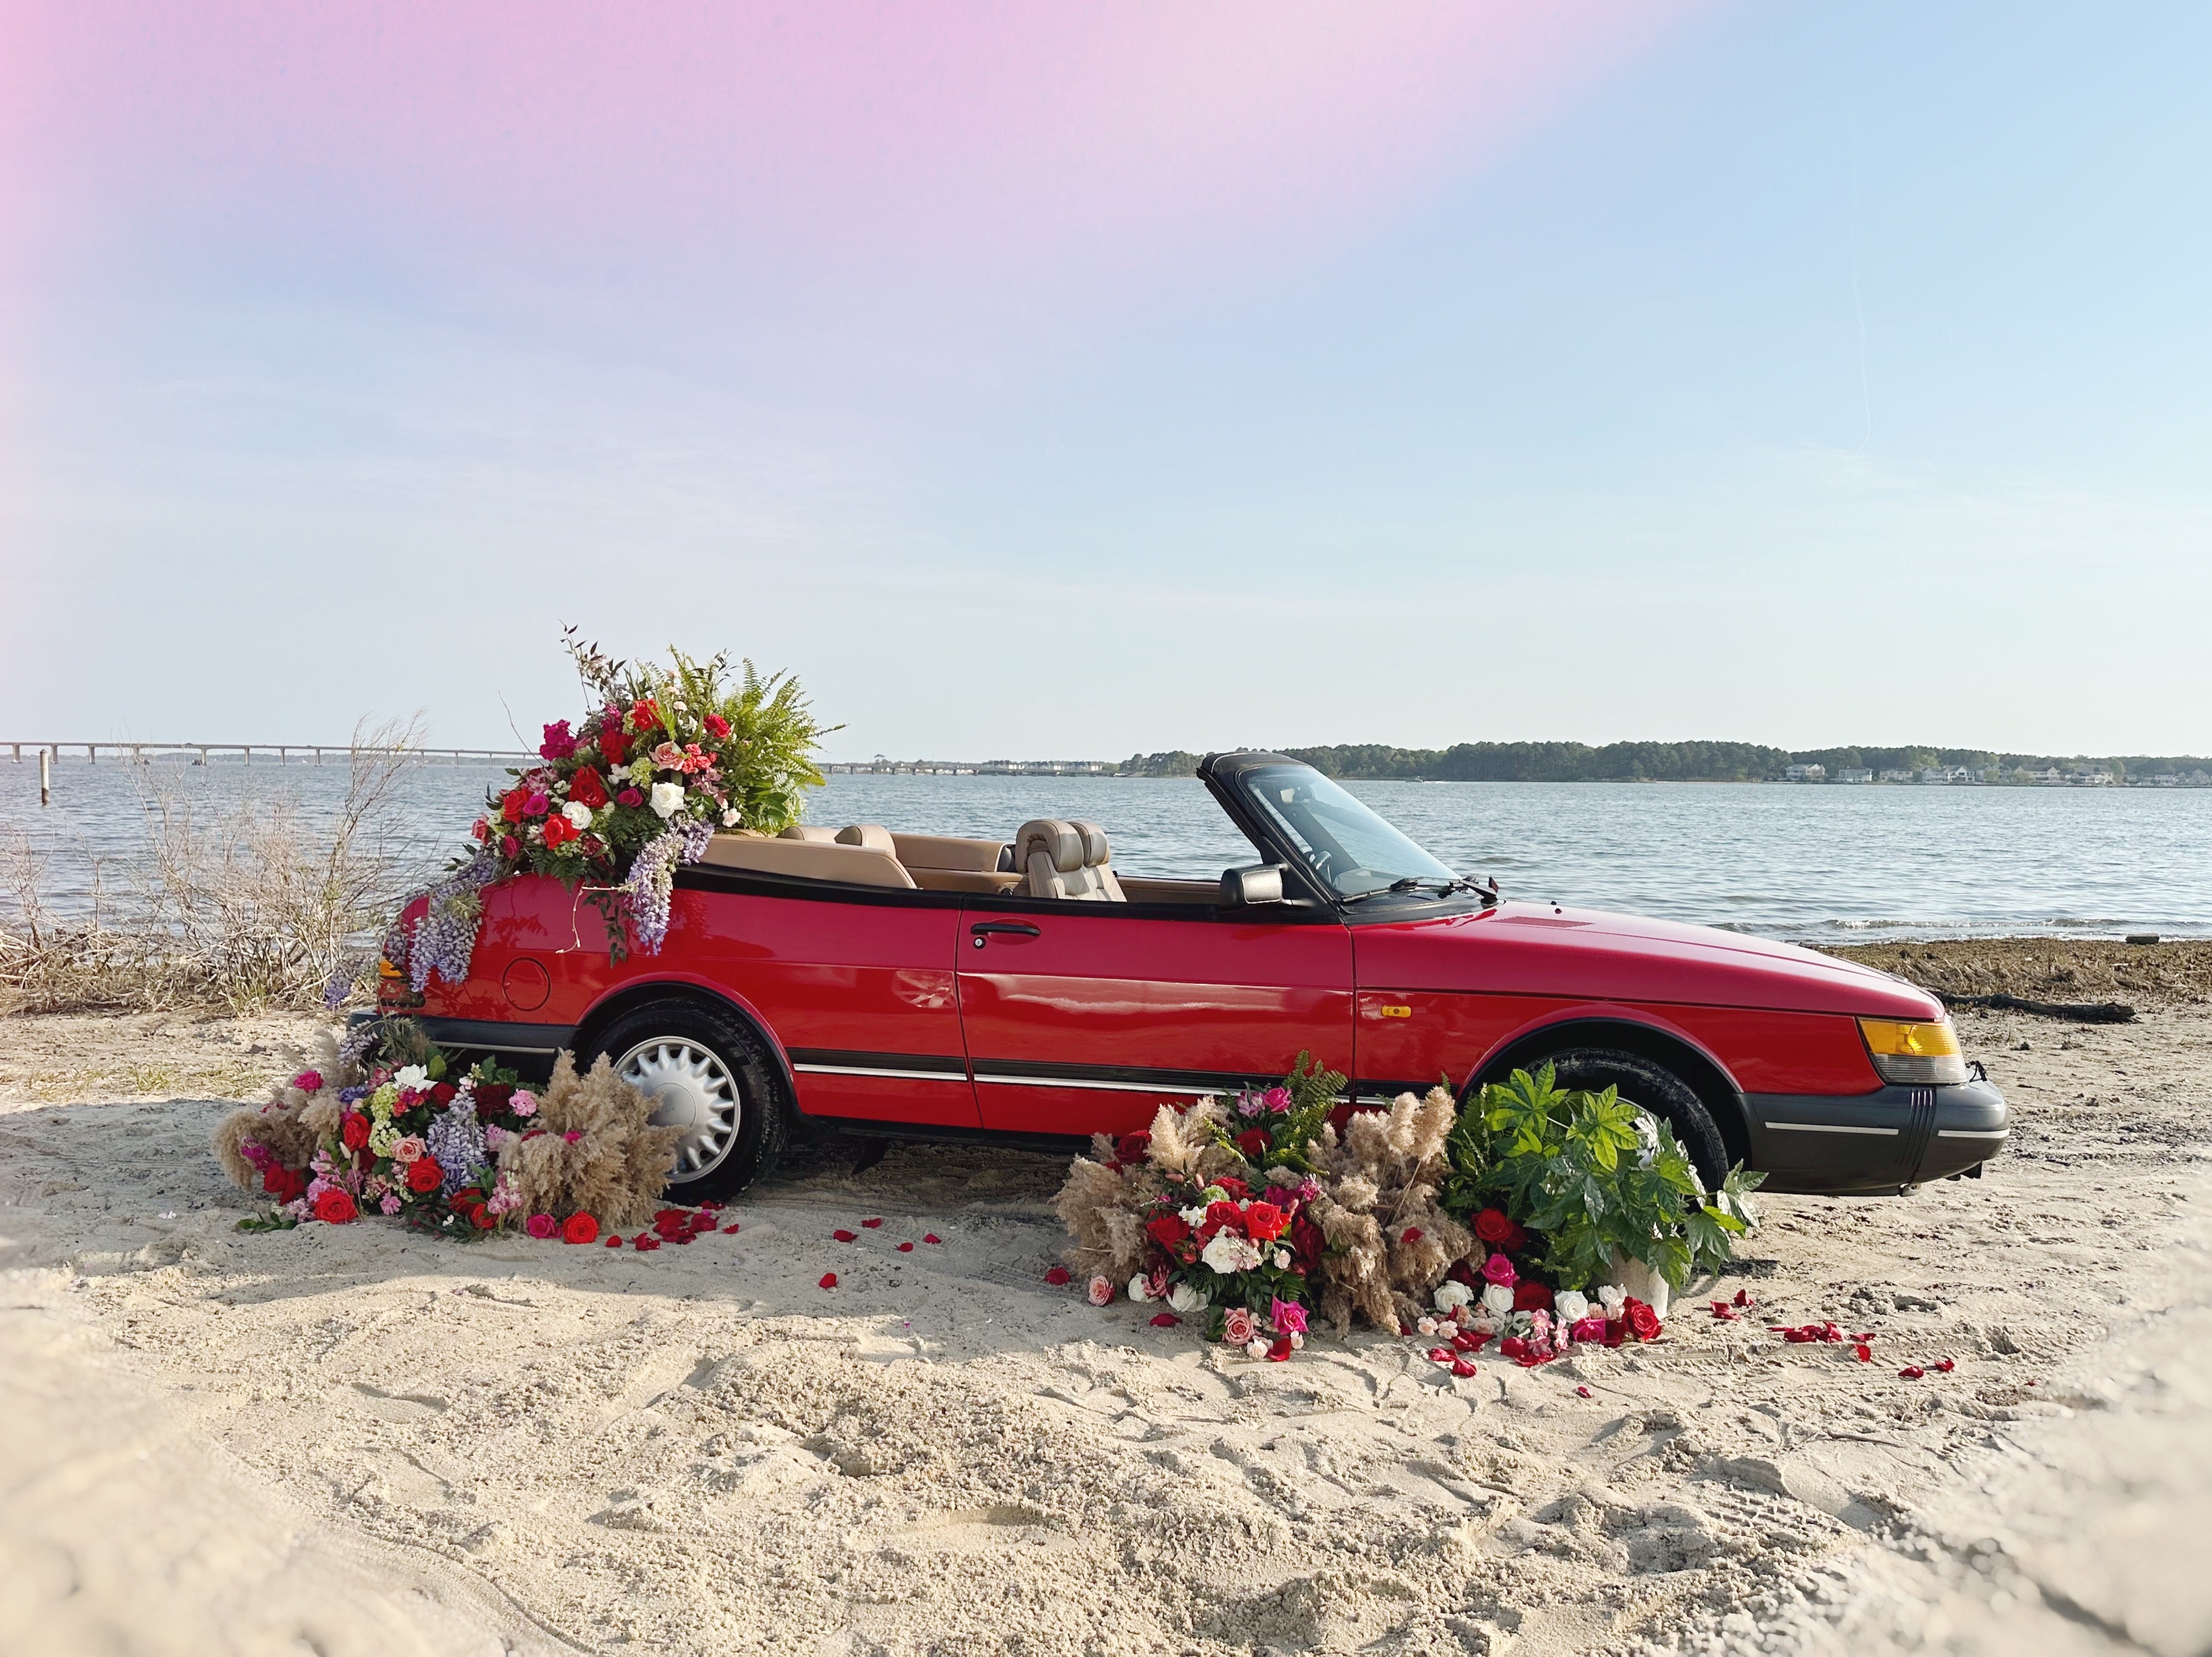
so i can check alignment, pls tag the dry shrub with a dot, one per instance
(615, 1170)
(241, 907)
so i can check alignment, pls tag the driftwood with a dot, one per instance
(2079, 1012)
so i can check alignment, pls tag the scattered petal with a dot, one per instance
(1945, 1365)
(732, 1229)
(1462, 1369)
(829, 1280)
(906, 1249)
(845, 1236)
(1165, 1320)
(1440, 1354)
(1910, 1372)
(1743, 1298)
(1864, 1352)
(870, 1225)
(614, 1242)
(931, 1237)
(1057, 1276)
(1410, 1235)
(1584, 1392)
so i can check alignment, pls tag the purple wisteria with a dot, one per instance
(445, 937)
(646, 895)
(456, 1140)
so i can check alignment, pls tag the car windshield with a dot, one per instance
(1351, 848)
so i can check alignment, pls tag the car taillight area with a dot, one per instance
(1915, 1054)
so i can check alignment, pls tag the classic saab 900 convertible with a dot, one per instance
(918, 986)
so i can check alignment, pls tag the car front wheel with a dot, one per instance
(1654, 1089)
(707, 1074)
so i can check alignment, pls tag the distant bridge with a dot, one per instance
(145, 753)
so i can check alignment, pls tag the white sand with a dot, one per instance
(357, 1440)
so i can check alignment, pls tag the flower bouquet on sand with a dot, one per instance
(384, 1123)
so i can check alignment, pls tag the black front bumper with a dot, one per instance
(1875, 1143)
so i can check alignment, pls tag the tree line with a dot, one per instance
(1656, 761)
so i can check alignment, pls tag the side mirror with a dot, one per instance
(1261, 882)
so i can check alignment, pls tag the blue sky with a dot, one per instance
(1783, 374)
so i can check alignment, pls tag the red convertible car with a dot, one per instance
(916, 987)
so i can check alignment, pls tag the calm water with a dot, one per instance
(1815, 864)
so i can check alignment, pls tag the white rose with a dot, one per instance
(667, 800)
(1450, 1296)
(1229, 1253)
(1183, 1300)
(729, 817)
(1611, 1296)
(1427, 1326)
(1140, 1290)
(1498, 1298)
(578, 815)
(1258, 1349)
(1298, 1340)
(1572, 1305)
(1282, 1260)
(411, 1076)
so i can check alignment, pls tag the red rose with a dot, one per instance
(1307, 1243)
(586, 789)
(353, 1128)
(1131, 1147)
(1643, 1322)
(443, 1095)
(614, 747)
(1492, 1225)
(335, 1207)
(559, 831)
(644, 714)
(1225, 1217)
(629, 796)
(1169, 1229)
(1234, 1186)
(509, 847)
(424, 1176)
(580, 1229)
(717, 727)
(1254, 1144)
(1529, 1296)
(492, 1097)
(284, 1184)
(1265, 1221)
(510, 804)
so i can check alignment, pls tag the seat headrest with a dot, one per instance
(1094, 843)
(810, 834)
(871, 836)
(1058, 841)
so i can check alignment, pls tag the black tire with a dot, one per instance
(671, 1048)
(1653, 1088)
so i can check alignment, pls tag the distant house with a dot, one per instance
(1807, 773)
(2048, 775)
(2198, 779)
(1899, 776)
(1854, 774)
(1948, 773)
(2088, 779)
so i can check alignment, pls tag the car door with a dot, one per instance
(1082, 1016)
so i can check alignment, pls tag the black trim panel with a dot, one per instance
(496, 1035)
(945, 1066)
(1367, 1088)
(1868, 1142)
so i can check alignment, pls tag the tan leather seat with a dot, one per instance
(810, 834)
(1066, 861)
(870, 837)
(807, 859)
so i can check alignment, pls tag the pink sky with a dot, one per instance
(956, 135)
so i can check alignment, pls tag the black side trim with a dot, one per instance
(921, 1064)
(753, 883)
(1136, 1078)
(1373, 1088)
(1051, 1144)
(1303, 913)
(495, 1035)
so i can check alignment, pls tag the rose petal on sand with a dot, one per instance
(845, 1236)
(829, 1280)
(1462, 1369)
(1057, 1276)
(1165, 1320)
(732, 1230)
(1864, 1352)
(1584, 1392)
(1945, 1365)
(870, 1225)
(906, 1249)
(1743, 1298)
(1910, 1372)
(614, 1242)
(931, 1237)
(1440, 1354)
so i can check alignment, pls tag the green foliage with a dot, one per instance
(1588, 1174)
(1312, 1094)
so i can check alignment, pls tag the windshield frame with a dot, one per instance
(1225, 777)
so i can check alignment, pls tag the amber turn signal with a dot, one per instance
(386, 969)
(1923, 1055)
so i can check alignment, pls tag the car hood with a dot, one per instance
(1537, 948)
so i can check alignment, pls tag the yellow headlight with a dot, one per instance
(1924, 1053)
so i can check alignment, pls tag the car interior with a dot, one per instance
(1049, 859)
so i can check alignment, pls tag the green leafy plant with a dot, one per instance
(1589, 1173)
(1274, 1127)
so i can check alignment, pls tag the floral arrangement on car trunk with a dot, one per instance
(1516, 1220)
(666, 757)
(383, 1123)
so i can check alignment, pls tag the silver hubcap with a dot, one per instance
(690, 1088)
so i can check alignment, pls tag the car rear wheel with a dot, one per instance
(707, 1072)
(1656, 1091)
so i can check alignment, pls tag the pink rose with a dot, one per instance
(1288, 1317)
(1591, 1329)
(409, 1150)
(524, 1103)
(1499, 1270)
(1101, 1289)
(541, 1226)
(308, 1081)
(1239, 1328)
(1277, 1100)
